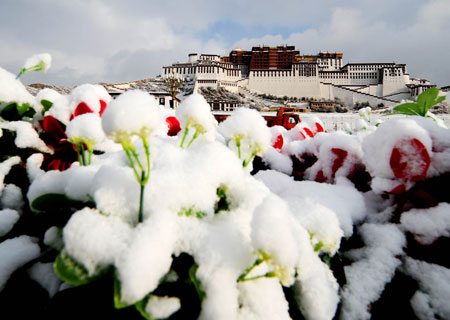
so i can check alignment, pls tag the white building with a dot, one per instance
(320, 77)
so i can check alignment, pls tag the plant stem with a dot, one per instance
(266, 275)
(246, 163)
(257, 263)
(238, 145)
(127, 152)
(147, 154)
(141, 199)
(186, 130)
(196, 134)
(83, 156)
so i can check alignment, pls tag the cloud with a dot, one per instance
(422, 43)
(115, 40)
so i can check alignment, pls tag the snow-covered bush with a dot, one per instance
(162, 218)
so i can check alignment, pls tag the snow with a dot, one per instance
(427, 224)
(383, 140)
(162, 307)
(345, 202)
(12, 198)
(273, 231)
(247, 127)
(262, 299)
(13, 90)
(5, 167)
(43, 60)
(43, 274)
(60, 108)
(15, 253)
(26, 135)
(86, 128)
(134, 112)
(94, 239)
(431, 300)
(195, 112)
(374, 267)
(8, 218)
(90, 94)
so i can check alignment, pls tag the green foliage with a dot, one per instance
(140, 306)
(50, 201)
(192, 212)
(222, 204)
(425, 101)
(46, 104)
(12, 111)
(195, 282)
(70, 271)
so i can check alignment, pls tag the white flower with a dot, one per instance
(134, 112)
(86, 128)
(247, 127)
(196, 112)
(38, 62)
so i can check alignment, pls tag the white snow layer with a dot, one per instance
(15, 253)
(133, 112)
(12, 90)
(375, 266)
(8, 219)
(162, 307)
(428, 224)
(431, 300)
(26, 135)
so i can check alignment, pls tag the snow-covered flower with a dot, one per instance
(85, 129)
(134, 112)
(196, 112)
(247, 129)
(88, 98)
(37, 62)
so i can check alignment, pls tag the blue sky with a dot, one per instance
(118, 41)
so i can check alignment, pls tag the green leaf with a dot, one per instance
(195, 282)
(70, 271)
(427, 99)
(222, 204)
(140, 306)
(439, 100)
(46, 104)
(189, 212)
(50, 201)
(409, 108)
(24, 107)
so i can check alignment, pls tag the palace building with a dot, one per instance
(283, 71)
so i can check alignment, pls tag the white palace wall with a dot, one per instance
(284, 83)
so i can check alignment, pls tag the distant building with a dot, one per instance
(283, 71)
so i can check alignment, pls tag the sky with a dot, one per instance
(115, 41)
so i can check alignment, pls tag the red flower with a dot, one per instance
(174, 126)
(55, 137)
(410, 160)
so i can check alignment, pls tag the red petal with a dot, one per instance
(82, 108)
(103, 106)
(319, 127)
(341, 155)
(410, 160)
(174, 126)
(401, 188)
(278, 144)
(308, 132)
(55, 128)
(320, 177)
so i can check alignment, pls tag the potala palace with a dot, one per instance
(282, 71)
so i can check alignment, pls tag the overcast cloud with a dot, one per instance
(118, 41)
